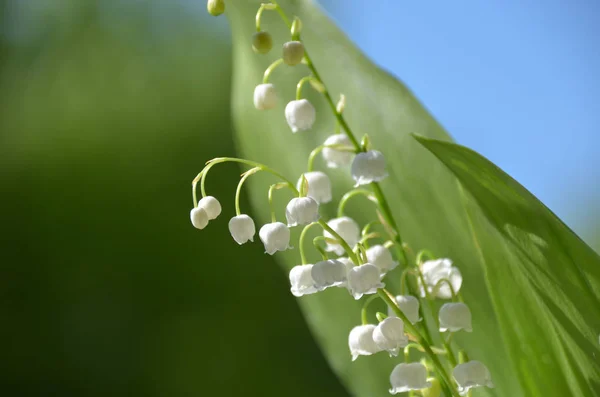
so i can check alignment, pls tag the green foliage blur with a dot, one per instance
(108, 109)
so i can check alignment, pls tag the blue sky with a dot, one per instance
(518, 81)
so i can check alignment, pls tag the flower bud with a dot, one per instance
(211, 205)
(301, 211)
(262, 42)
(368, 167)
(435, 270)
(454, 317)
(302, 281)
(407, 377)
(215, 7)
(409, 305)
(296, 28)
(336, 158)
(329, 273)
(381, 257)
(265, 96)
(275, 236)
(293, 52)
(199, 218)
(300, 115)
(361, 341)
(389, 335)
(242, 228)
(347, 228)
(470, 375)
(319, 186)
(364, 280)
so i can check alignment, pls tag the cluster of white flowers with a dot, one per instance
(349, 262)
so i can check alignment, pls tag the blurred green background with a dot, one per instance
(108, 109)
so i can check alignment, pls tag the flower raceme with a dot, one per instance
(364, 263)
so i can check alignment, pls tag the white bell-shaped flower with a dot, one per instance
(381, 257)
(302, 211)
(364, 280)
(275, 236)
(348, 264)
(336, 158)
(242, 228)
(302, 281)
(408, 376)
(439, 269)
(409, 306)
(361, 341)
(470, 375)
(389, 335)
(265, 96)
(199, 218)
(319, 186)
(454, 317)
(300, 115)
(368, 167)
(211, 205)
(329, 273)
(347, 228)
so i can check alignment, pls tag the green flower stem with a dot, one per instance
(270, 70)
(363, 311)
(439, 284)
(386, 212)
(403, 282)
(238, 191)
(353, 257)
(368, 226)
(194, 183)
(424, 253)
(385, 295)
(321, 250)
(301, 242)
(262, 8)
(274, 187)
(352, 193)
(303, 80)
(319, 149)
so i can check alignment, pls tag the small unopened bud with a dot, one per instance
(368, 167)
(211, 205)
(262, 42)
(242, 228)
(407, 377)
(215, 7)
(293, 52)
(199, 218)
(275, 236)
(300, 115)
(361, 341)
(301, 211)
(265, 96)
(341, 104)
(296, 28)
(454, 317)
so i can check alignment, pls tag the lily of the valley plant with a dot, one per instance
(353, 260)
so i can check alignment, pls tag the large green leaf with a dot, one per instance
(544, 281)
(422, 192)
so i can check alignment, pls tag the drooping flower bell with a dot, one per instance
(242, 228)
(300, 115)
(262, 42)
(329, 273)
(302, 211)
(470, 375)
(389, 335)
(302, 281)
(211, 205)
(409, 306)
(368, 167)
(275, 236)
(381, 257)
(361, 341)
(408, 376)
(436, 270)
(199, 218)
(336, 158)
(364, 280)
(293, 52)
(319, 186)
(347, 228)
(265, 96)
(454, 317)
